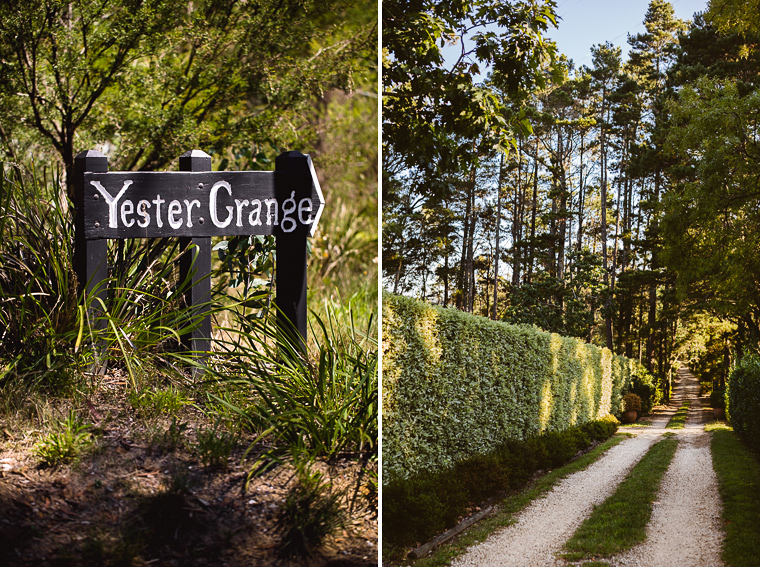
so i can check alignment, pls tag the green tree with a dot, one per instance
(652, 54)
(149, 79)
(712, 218)
(430, 101)
(605, 76)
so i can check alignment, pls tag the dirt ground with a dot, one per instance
(134, 499)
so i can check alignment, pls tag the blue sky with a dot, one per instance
(589, 22)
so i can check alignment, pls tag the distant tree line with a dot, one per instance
(617, 202)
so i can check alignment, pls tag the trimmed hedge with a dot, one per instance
(418, 507)
(456, 385)
(743, 400)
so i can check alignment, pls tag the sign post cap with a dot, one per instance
(194, 154)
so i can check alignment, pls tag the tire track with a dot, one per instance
(685, 527)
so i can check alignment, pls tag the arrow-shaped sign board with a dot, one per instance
(201, 204)
(196, 204)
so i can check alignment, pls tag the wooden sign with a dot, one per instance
(166, 204)
(195, 204)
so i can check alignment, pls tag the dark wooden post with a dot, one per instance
(197, 265)
(90, 256)
(292, 173)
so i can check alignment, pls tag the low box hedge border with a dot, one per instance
(418, 507)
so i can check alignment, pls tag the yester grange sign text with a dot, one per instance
(220, 203)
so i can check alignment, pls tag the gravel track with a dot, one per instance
(684, 529)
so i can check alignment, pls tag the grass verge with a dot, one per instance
(738, 474)
(510, 506)
(679, 418)
(620, 522)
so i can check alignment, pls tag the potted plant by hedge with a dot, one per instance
(631, 407)
(718, 403)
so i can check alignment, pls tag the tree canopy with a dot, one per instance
(626, 208)
(148, 79)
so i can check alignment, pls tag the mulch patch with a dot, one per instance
(131, 502)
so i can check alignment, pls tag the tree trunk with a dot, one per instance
(607, 303)
(498, 225)
(534, 205)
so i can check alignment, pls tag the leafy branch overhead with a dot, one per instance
(434, 56)
(152, 78)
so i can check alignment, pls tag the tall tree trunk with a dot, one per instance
(581, 204)
(462, 279)
(562, 213)
(498, 226)
(471, 242)
(607, 303)
(534, 205)
(397, 279)
(652, 315)
(517, 219)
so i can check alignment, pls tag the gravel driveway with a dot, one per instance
(684, 529)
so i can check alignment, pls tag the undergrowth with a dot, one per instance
(417, 508)
(67, 440)
(301, 407)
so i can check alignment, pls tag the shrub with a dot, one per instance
(743, 410)
(646, 388)
(428, 502)
(718, 398)
(69, 438)
(455, 384)
(632, 402)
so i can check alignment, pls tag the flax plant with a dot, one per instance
(320, 404)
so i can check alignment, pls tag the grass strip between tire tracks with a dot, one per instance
(620, 522)
(738, 473)
(679, 418)
(510, 506)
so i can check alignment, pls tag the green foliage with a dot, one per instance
(248, 74)
(582, 292)
(650, 394)
(455, 384)
(738, 473)
(311, 512)
(425, 130)
(631, 402)
(153, 402)
(703, 343)
(316, 405)
(214, 446)
(620, 522)
(417, 507)
(69, 437)
(40, 323)
(718, 398)
(711, 227)
(743, 400)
